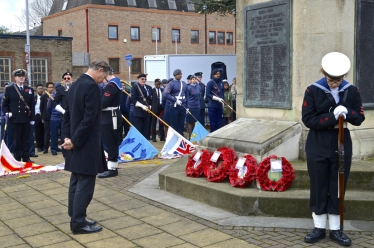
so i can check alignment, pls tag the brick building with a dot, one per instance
(48, 57)
(110, 29)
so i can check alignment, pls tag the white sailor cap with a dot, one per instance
(336, 64)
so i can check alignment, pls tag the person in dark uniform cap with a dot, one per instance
(175, 94)
(199, 82)
(19, 107)
(214, 92)
(140, 97)
(323, 102)
(189, 78)
(111, 122)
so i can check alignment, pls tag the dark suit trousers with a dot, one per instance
(160, 128)
(142, 124)
(47, 134)
(81, 190)
(21, 136)
(39, 131)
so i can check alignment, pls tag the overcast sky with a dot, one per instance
(9, 9)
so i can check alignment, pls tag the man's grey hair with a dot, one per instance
(97, 64)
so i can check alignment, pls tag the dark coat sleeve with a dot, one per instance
(354, 106)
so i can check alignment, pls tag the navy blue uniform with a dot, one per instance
(20, 119)
(214, 88)
(177, 113)
(141, 118)
(111, 99)
(202, 102)
(193, 96)
(322, 141)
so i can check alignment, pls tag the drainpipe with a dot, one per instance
(87, 39)
(206, 38)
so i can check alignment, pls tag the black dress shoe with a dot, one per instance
(162, 139)
(54, 153)
(34, 155)
(88, 229)
(315, 235)
(340, 238)
(108, 173)
(39, 149)
(27, 160)
(45, 151)
(91, 223)
(154, 140)
(59, 149)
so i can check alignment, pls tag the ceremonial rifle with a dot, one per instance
(341, 170)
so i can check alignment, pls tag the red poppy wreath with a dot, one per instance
(219, 170)
(288, 175)
(241, 180)
(195, 168)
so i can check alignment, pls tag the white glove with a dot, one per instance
(8, 114)
(32, 122)
(217, 99)
(340, 110)
(178, 102)
(139, 105)
(60, 109)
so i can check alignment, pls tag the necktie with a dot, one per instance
(21, 88)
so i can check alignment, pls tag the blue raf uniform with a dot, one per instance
(214, 88)
(193, 97)
(176, 89)
(202, 97)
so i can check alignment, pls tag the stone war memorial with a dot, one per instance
(280, 45)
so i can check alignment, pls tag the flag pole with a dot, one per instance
(49, 95)
(184, 108)
(127, 120)
(224, 102)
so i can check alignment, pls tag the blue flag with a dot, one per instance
(135, 147)
(198, 133)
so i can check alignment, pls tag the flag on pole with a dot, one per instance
(198, 133)
(10, 166)
(176, 145)
(135, 147)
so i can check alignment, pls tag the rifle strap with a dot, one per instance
(141, 93)
(23, 100)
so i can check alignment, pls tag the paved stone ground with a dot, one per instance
(33, 213)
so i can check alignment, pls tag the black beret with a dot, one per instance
(189, 77)
(67, 74)
(198, 74)
(214, 72)
(176, 72)
(6, 83)
(26, 80)
(141, 75)
(164, 81)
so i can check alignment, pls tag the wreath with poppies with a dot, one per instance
(242, 181)
(219, 170)
(195, 168)
(288, 175)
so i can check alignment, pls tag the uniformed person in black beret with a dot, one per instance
(19, 107)
(199, 82)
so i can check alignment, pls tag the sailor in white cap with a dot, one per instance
(323, 102)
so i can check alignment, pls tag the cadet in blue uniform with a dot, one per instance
(214, 92)
(199, 76)
(20, 113)
(323, 102)
(175, 95)
(193, 105)
(140, 96)
(111, 123)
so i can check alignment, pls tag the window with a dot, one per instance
(131, 3)
(152, 4)
(156, 34)
(135, 33)
(136, 66)
(172, 4)
(5, 73)
(221, 37)
(112, 32)
(190, 6)
(39, 71)
(109, 2)
(194, 36)
(175, 35)
(229, 38)
(114, 63)
(64, 5)
(212, 37)
(59, 33)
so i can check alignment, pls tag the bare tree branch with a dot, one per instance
(37, 10)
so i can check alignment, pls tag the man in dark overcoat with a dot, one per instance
(81, 127)
(19, 107)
